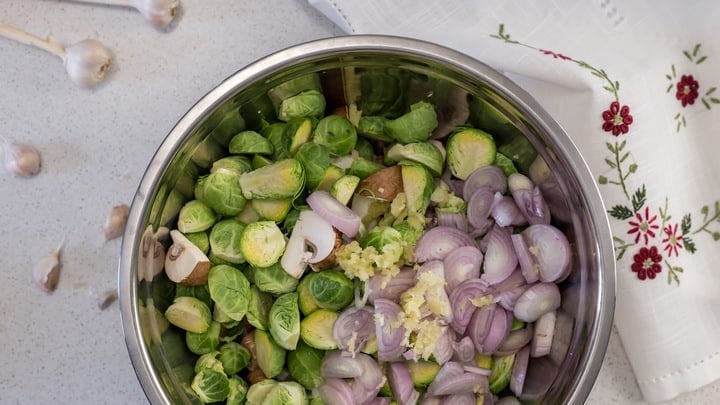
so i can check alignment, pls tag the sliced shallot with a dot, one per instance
(453, 219)
(543, 335)
(537, 300)
(335, 365)
(464, 301)
(486, 176)
(439, 241)
(519, 370)
(516, 340)
(500, 258)
(389, 334)
(401, 383)
(336, 391)
(462, 264)
(353, 328)
(478, 207)
(506, 213)
(549, 252)
(381, 286)
(336, 213)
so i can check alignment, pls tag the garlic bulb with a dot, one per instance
(86, 62)
(21, 159)
(158, 13)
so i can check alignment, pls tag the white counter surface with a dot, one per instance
(61, 348)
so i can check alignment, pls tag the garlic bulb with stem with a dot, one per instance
(86, 61)
(159, 13)
(21, 159)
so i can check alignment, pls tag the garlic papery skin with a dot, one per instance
(159, 13)
(46, 273)
(87, 62)
(21, 159)
(115, 221)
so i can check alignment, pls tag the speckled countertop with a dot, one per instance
(61, 348)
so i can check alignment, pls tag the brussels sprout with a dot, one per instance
(225, 239)
(422, 372)
(364, 148)
(211, 385)
(315, 159)
(286, 393)
(274, 280)
(199, 189)
(278, 180)
(305, 300)
(316, 329)
(363, 168)
(424, 153)
(231, 330)
(331, 289)
(222, 193)
(297, 132)
(374, 127)
(275, 134)
(310, 103)
(206, 152)
(262, 243)
(380, 236)
(259, 308)
(234, 357)
(259, 161)
(382, 92)
(337, 134)
(200, 292)
(270, 355)
(414, 126)
(418, 186)
(501, 373)
(258, 391)
(344, 188)
(292, 87)
(520, 151)
(248, 214)
(175, 349)
(332, 174)
(505, 164)
(185, 183)
(250, 142)
(199, 239)
(203, 343)
(284, 320)
(190, 314)
(230, 290)
(218, 315)
(304, 365)
(229, 125)
(209, 360)
(272, 210)
(195, 216)
(467, 149)
(238, 391)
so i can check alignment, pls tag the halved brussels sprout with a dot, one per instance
(414, 126)
(363, 168)
(424, 153)
(195, 216)
(467, 149)
(211, 385)
(234, 357)
(259, 308)
(270, 355)
(221, 192)
(418, 186)
(229, 125)
(297, 132)
(190, 314)
(238, 391)
(364, 149)
(278, 180)
(316, 329)
(332, 174)
(331, 289)
(230, 290)
(374, 127)
(225, 240)
(315, 159)
(310, 103)
(292, 87)
(344, 188)
(284, 320)
(286, 393)
(275, 134)
(199, 239)
(501, 373)
(206, 342)
(304, 365)
(272, 210)
(337, 134)
(262, 243)
(250, 142)
(258, 392)
(305, 301)
(274, 280)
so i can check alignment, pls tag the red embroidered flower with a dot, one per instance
(555, 55)
(617, 119)
(672, 240)
(687, 90)
(646, 263)
(644, 227)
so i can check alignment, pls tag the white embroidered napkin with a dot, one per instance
(634, 85)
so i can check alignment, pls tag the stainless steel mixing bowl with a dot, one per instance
(507, 110)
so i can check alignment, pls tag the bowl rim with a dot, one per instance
(274, 62)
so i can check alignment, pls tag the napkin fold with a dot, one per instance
(634, 85)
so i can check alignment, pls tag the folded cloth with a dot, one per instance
(634, 85)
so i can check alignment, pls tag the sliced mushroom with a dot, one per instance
(312, 240)
(384, 184)
(185, 263)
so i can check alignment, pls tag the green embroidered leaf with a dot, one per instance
(704, 210)
(638, 199)
(608, 88)
(701, 60)
(689, 244)
(602, 180)
(610, 163)
(678, 127)
(716, 236)
(674, 74)
(594, 73)
(705, 103)
(683, 121)
(625, 156)
(621, 212)
(620, 247)
(632, 168)
(715, 100)
(677, 116)
(687, 55)
(710, 91)
(610, 147)
(617, 85)
(696, 49)
(668, 77)
(669, 88)
(686, 224)
(622, 146)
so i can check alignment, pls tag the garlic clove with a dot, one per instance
(22, 159)
(46, 273)
(115, 222)
(159, 13)
(87, 62)
(106, 298)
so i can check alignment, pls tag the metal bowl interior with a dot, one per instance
(426, 71)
